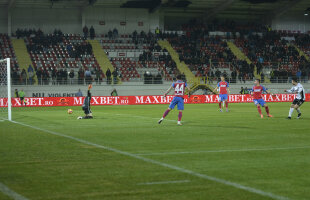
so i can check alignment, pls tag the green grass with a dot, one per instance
(39, 165)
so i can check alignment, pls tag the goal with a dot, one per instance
(5, 90)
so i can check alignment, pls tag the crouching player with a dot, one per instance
(258, 99)
(178, 99)
(86, 105)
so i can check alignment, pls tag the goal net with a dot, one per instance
(5, 90)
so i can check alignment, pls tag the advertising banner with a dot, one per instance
(142, 100)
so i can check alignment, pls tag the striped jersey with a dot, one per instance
(300, 91)
(179, 88)
(223, 85)
(257, 91)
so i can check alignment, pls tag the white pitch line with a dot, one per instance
(148, 160)
(164, 182)
(220, 151)
(14, 195)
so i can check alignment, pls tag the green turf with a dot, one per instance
(39, 165)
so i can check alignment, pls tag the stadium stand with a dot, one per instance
(138, 55)
(240, 54)
(54, 55)
(19, 76)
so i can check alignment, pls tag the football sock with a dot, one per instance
(180, 116)
(259, 110)
(220, 105)
(267, 110)
(226, 104)
(291, 112)
(166, 113)
(298, 110)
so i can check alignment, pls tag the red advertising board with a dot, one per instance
(142, 100)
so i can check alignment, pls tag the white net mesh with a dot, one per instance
(4, 105)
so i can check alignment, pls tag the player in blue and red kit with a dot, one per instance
(257, 91)
(178, 99)
(223, 93)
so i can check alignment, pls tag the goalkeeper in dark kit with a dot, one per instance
(86, 105)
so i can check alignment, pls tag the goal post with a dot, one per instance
(5, 89)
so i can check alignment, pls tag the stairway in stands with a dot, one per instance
(183, 68)
(241, 56)
(301, 53)
(101, 57)
(22, 56)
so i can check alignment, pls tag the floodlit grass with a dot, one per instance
(270, 154)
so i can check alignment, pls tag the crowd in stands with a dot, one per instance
(54, 57)
(207, 55)
(204, 53)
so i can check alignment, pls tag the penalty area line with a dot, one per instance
(221, 151)
(14, 195)
(162, 164)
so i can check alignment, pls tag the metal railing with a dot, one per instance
(199, 80)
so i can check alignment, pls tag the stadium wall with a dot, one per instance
(111, 17)
(294, 23)
(3, 20)
(131, 89)
(71, 20)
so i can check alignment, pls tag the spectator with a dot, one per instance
(241, 91)
(65, 76)
(115, 33)
(23, 77)
(108, 75)
(298, 74)
(71, 76)
(59, 77)
(16, 93)
(39, 76)
(217, 74)
(88, 78)
(246, 90)
(92, 32)
(15, 77)
(54, 76)
(99, 76)
(79, 93)
(85, 31)
(30, 75)
(110, 34)
(70, 50)
(80, 76)
(114, 73)
(157, 32)
(45, 77)
(262, 77)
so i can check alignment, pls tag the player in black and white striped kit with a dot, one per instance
(299, 100)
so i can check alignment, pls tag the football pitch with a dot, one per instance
(124, 154)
